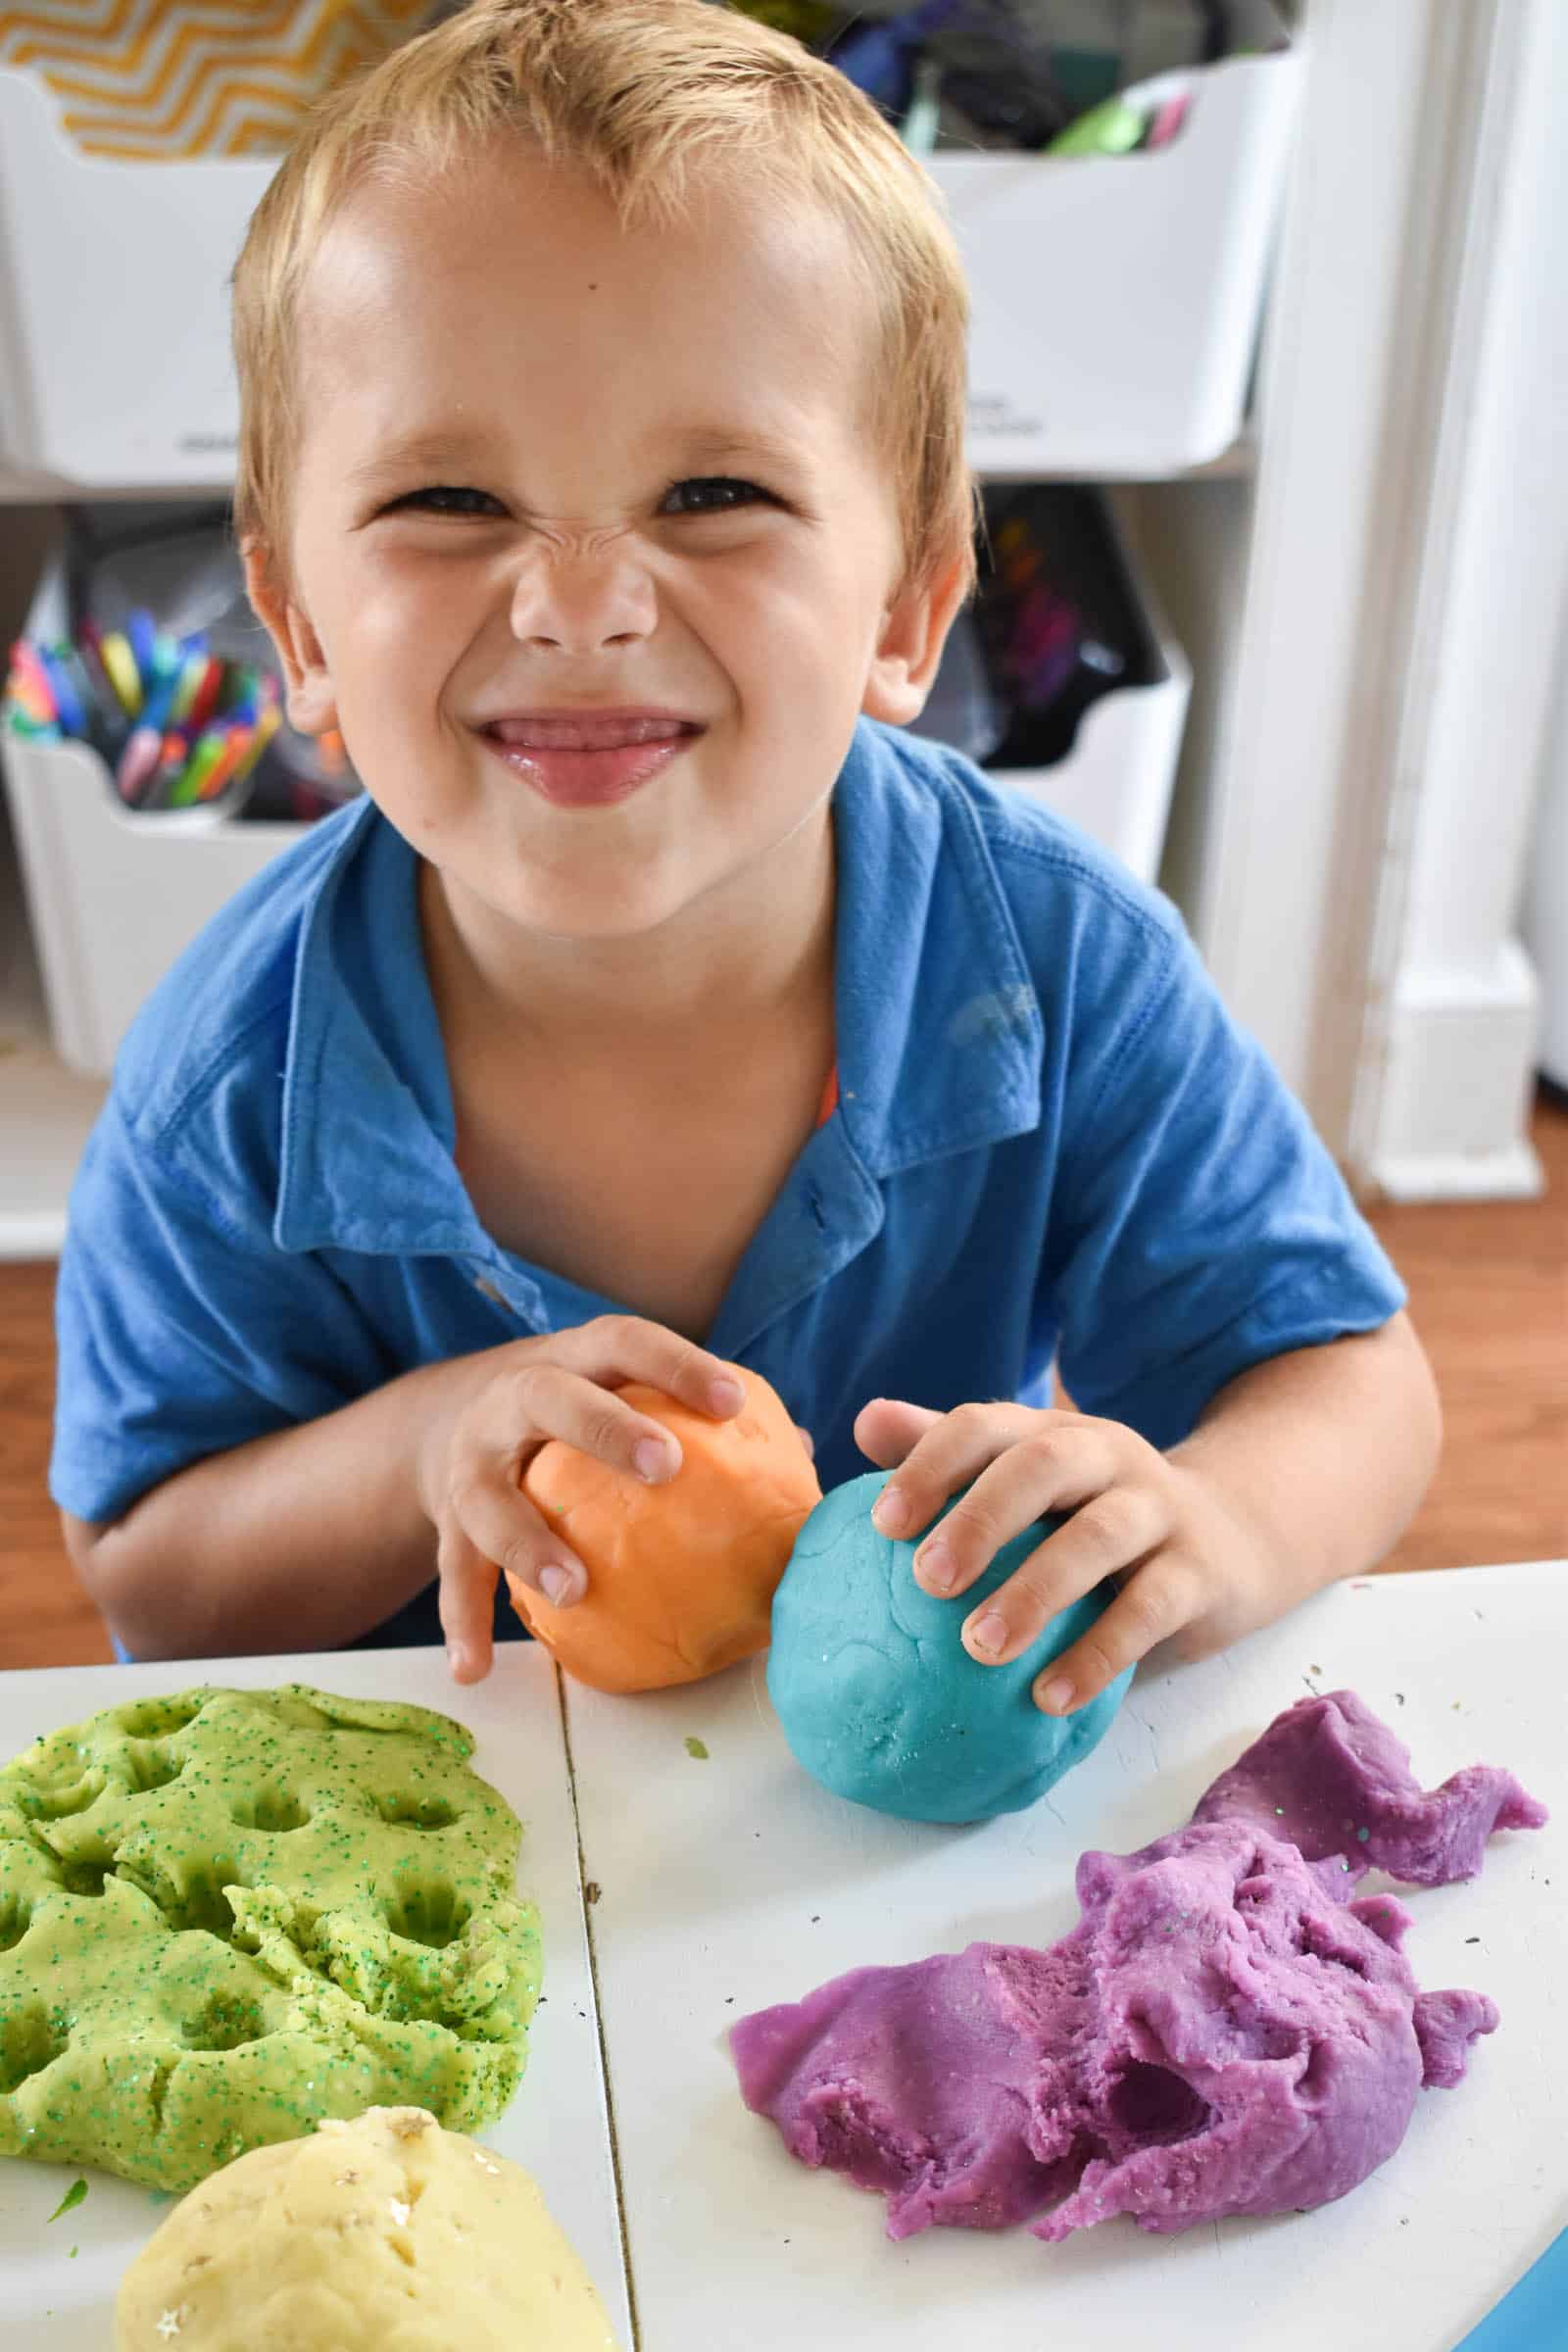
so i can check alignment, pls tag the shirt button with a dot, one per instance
(488, 1289)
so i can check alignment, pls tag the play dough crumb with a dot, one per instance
(681, 1575)
(425, 2242)
(227, 1914)
(1225, 2031)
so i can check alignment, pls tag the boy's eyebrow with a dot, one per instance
(417, 452)
(704, 447)
(747, 446)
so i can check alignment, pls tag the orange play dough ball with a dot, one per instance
(681, 1575)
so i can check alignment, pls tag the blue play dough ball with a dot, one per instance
(880, 1701)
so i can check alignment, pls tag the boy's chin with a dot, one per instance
(601, 912)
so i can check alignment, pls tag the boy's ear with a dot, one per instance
(308, 694)
(914, 629)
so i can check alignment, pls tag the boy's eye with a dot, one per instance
(448, 498)
(712, 494)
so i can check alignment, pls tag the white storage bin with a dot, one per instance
(1116, 780)
(1116, 300)
(114, 898)
(1115, 777)
(114, 366)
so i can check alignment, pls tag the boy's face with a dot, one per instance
(593, 560)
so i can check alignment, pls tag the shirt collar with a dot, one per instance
(940, 1032)
(939, 1029)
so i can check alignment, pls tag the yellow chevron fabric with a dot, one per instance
(158, 79)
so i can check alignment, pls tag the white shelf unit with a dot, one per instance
(1311, 570)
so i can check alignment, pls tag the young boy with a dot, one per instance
(602, 480)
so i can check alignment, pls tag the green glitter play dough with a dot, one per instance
(227, 1914)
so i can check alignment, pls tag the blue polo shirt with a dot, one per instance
(1050, 1141)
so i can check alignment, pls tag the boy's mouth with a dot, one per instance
(588, 759)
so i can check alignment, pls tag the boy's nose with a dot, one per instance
(582, 597)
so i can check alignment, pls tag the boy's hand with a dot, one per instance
(1187, 1560)
(509, 1402)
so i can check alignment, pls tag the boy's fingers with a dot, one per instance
(1119, 1529)
(887, 1429)
(1155, 1604)
(526, 1406)
(464, 1598)
(1070, 1466)
(951, 1450)
(953, 1453)
(614, 1350)
(500, 1523)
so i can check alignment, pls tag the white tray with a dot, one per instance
(735, 1883)
(556, 2126)
(729, 1882)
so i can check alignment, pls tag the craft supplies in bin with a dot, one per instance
(1112, 169)
(147, 761)
(1059, 680)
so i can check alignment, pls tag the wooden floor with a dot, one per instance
(1488, 1287)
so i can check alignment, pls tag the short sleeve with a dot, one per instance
(1199, 1225)
(182, 1328)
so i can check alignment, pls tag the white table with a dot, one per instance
(727, 1882)
(558, 2127)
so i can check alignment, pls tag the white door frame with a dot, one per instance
(1390, 590)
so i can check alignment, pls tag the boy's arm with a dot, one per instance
(308, 1537)
(1326, 1453)
(304, 1539)
(1300, 1470)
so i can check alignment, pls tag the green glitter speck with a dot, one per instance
(695, 1747)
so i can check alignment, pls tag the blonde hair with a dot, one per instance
(641, 94)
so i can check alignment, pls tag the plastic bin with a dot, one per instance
(114, 898)
(1113, 771)
(115, 365)
(1116, 300)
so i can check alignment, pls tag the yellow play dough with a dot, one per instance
(384, 2234)
(681, 1575)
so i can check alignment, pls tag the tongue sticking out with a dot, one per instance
(585, 733)
(589, 759)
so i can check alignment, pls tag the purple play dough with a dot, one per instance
(1224, 2031)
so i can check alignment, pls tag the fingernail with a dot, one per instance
(1056, 1696)
(727, 1395)
(990, 1633)
(653, 1459)
(937, 1568)
(891, 1511)
(556, 1585)
(456, 1660)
